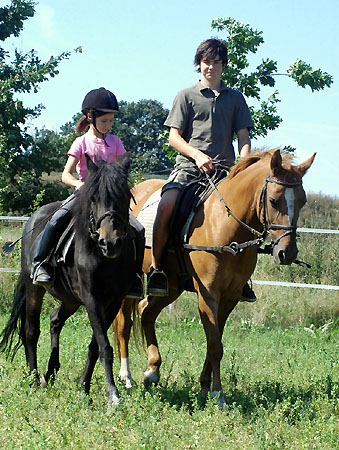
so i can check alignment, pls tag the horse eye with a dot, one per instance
(273, 202)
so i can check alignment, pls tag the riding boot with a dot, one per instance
(137, 289)
(41, 270)
(248, 294)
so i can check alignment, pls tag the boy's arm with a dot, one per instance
(203, 161)
(244, 142)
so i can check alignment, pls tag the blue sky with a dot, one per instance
(144, 50)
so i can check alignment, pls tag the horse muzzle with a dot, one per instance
(285, 254)
(110, 247)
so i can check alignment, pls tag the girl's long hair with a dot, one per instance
(84, 123)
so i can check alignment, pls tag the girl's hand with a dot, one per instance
(78, 184)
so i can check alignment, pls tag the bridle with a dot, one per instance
(290, 229)
(94, 224)
(235, 247)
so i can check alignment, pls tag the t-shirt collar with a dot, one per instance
(201, 87)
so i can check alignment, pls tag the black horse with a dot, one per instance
(97, 272)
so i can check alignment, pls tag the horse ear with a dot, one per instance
(276, 162)
(124, 161)
(90, 164)
(303, 167)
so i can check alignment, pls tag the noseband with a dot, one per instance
(94, 224)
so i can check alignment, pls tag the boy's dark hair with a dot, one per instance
(211, 48)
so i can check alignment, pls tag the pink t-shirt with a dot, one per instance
(96, 149)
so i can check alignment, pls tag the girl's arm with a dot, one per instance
(67, 174)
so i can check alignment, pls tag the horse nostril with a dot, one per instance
(118, 243)
(281, 256)
(102, 242)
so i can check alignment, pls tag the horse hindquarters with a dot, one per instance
(26, 306)
(58, 319)
(18, 311)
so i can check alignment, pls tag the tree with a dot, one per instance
(243, 40)
(21, 165)
(140, 126)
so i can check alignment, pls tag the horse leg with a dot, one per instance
(214, 323)
(31, 327)
(123, 327)
(58, 319)
(209, 317)
(149, 309)
(92, 357)
(100, 346)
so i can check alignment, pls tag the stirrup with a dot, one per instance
(136, 291)
(157, 283)
(40, 276)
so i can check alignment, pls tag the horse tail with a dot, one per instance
(138, 330)
(15, 322)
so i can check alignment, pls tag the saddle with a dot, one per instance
(58, 255)
(188, 201)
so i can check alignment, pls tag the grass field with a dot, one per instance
(281, 387)
(279, 372)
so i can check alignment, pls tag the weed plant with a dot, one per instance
(279, 369)
(281, 388)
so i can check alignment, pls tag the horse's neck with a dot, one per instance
(241, 193)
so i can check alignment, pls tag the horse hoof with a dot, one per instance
(218, 397)
(128, 382)
(125, 375)
(150, 378)
(113, 402)
(43, 382)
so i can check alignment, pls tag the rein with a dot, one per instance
(234, 248)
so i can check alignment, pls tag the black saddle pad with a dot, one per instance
(188, 201)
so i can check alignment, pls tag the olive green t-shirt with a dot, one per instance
(208, 122)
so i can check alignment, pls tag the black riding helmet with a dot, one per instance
(98, 102)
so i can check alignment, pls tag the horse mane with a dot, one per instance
(111, 185)
(254, 157)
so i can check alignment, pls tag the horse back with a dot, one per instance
(142, 192)
(33, 228)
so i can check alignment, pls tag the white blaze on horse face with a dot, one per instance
(290, 198)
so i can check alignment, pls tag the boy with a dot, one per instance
(202, 122)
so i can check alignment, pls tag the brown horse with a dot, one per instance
(260, 198)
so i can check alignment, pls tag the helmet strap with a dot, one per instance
(93, 122)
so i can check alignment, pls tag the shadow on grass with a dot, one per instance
(295, 402)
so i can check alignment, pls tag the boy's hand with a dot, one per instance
(204, 163)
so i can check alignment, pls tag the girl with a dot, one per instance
(98, 108)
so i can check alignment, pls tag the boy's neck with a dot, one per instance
(213, 85)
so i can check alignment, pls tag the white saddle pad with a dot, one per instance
(147, 215)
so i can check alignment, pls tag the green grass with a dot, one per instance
(279, 372)
(280, 385)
